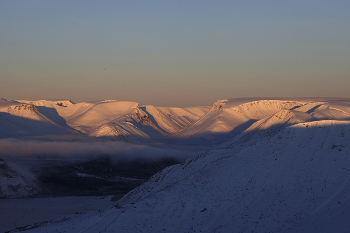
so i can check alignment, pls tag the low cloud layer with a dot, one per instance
(74, 150)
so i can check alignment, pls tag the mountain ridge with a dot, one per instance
(120, 120)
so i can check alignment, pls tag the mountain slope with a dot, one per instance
(223, 117)
(286, 182)
(172, 120)
(51, 109)
(25, 120)
(16, 181)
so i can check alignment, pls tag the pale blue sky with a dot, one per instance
(173, 53)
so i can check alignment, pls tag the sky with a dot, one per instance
(175, 53)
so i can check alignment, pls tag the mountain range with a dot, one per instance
(270, 165)
(130, 122)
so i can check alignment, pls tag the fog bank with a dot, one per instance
(80, 150)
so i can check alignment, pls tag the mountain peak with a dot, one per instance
(220, 104)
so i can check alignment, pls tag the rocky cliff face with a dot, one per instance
(141, 117)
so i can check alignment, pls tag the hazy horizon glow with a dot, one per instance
(173, 53)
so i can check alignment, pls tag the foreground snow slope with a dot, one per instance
(293, 180)
(296, 179)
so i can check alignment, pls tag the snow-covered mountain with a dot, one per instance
(101, 120)
(128, 121)
(283, 167)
